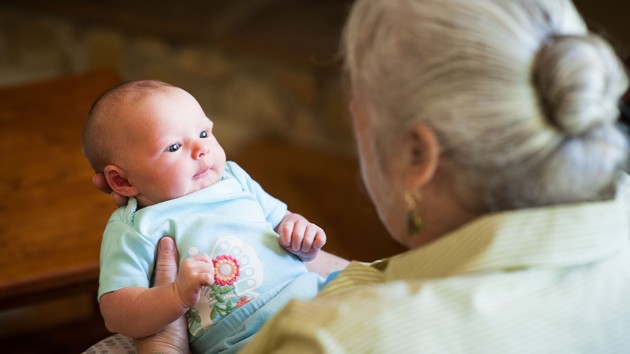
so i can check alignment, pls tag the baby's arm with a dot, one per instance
(300, 237)
(139, 312)
(325, 264)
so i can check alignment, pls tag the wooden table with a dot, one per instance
(51, 216)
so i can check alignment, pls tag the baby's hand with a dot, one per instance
(194, 273)
(301, 237)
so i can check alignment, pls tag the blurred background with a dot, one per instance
(261, 69)
(258, 67)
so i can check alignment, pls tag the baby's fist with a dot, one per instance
(301, 237)
(194, 273)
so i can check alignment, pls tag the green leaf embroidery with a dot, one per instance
(215, 313)
(195, 317)
(225, 289)
(230, 306)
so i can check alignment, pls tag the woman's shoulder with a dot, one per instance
(354, 318)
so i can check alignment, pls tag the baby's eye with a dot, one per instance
(173, 148)
(203, 134)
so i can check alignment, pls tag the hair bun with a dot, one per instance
(579, 82)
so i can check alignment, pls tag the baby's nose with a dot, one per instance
(200, 150)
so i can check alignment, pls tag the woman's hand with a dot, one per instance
(101, 183)
(173, 339)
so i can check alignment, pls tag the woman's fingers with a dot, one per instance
(166, 263)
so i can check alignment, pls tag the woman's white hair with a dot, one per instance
(524, 100)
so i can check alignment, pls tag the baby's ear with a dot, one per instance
(117, 179)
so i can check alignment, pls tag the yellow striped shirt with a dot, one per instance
(544, 280)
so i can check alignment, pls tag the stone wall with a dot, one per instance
(249, 95)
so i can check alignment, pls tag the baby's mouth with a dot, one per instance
(202, 173)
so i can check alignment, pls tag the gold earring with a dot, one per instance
(414, 222)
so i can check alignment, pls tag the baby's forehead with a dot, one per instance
(130, 105)
(131, 95)
(126, 101)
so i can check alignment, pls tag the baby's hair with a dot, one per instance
(104, 114)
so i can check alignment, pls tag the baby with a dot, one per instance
(154, 145)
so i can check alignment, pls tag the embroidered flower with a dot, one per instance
(242, 301)
(226, 270)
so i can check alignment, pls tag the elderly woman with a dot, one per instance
(489, 145)
(488, 140)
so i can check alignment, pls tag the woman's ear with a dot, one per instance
(425, 155)
(119, 183)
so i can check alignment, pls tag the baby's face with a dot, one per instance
(170, 150)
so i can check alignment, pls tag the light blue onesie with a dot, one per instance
(233, 222)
